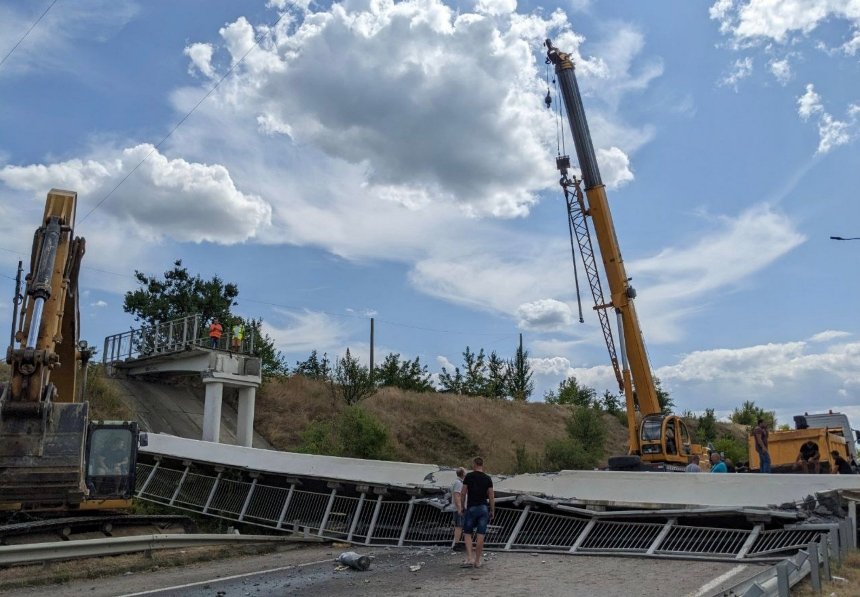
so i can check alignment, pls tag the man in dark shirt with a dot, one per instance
(840, 465)
(760, 435)
(480, 507)
(809, 455)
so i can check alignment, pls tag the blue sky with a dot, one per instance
(396, 160)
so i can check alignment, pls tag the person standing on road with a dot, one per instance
(717, 464)
(215, 331)
(480, 509)
(457, 502)
(760, 435)
(693, 467)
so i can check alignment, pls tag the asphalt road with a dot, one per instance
(434, 571)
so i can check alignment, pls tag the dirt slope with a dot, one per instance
(442, 429)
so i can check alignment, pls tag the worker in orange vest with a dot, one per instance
(215, 331)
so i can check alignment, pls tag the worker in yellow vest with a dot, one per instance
(238, 336)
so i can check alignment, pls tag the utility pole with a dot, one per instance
(371, 349)
(16, 302)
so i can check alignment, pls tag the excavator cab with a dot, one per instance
(664, 438)
(111, 454)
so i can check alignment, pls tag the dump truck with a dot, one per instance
(829, 431)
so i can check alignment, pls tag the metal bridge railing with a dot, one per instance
(171, 336)
(380, 520)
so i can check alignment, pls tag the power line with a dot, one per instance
(256, 44)
(23, 37)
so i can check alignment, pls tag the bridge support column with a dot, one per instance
(245, 419)
(212, 411)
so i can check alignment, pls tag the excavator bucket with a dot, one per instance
(42, 454)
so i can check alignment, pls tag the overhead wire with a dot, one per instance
(298, 308)
(26, 33)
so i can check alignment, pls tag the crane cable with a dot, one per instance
(562, 150)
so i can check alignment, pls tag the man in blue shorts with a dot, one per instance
(480, 503)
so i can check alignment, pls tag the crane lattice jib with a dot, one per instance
(620, 290)
(576, 213)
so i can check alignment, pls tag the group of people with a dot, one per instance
(719, 464)
(474, 507)
(216, 330)
(808, 457)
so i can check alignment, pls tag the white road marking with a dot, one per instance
(710, 586)
(224, 578)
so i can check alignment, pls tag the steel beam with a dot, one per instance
(518, 527)
(286, 506)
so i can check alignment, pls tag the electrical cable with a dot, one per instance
(23, 37)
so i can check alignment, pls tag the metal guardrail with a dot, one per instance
(170, 336)
(379, 520)
(88, 548)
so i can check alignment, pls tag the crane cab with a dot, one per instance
(665, 438)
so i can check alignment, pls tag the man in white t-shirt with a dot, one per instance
(457, 502)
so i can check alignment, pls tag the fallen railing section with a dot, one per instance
(376, 516)
(813, 561)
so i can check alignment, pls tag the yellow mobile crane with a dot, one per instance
(51, 456)
(656, 437)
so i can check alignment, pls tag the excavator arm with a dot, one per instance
(43, 427)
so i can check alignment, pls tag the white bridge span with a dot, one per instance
(737, 517)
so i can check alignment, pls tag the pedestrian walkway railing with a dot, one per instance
(173, 336)
(379, 518)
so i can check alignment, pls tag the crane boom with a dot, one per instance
(639, 388)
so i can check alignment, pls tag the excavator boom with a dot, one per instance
(43, 428)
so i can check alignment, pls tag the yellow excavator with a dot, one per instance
(52, 457)
(654, 437)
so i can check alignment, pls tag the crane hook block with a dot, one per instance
(548, 100)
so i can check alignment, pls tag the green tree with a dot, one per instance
(314, 367)
(519, 376)
(404, 374)
(273, 361)
(179, 294)
(611, 403)
(749, 414)
(663, 399)
(451, 383)
(351, 380)
(497, 377)
(707, 427)
(570, 391)
(474, 380)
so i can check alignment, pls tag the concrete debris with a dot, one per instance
(416, 567)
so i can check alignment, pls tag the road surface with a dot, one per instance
(313, 571)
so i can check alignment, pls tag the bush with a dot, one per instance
(106, 403)
(354, 433)
(732, 448)
(567, 454)
(583, 447)
(527, 463)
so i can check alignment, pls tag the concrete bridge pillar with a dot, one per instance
(212, 411)
(245, 422)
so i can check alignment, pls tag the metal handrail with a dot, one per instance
(88, 548)
(171, 336)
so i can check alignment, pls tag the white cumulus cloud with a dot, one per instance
(163, 197)
(544, 314)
